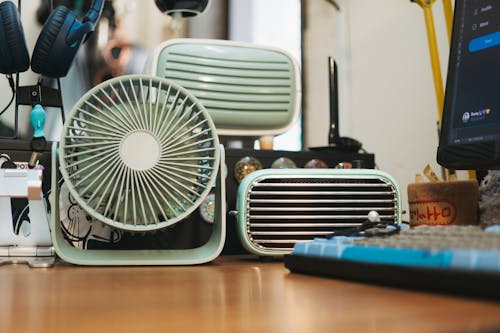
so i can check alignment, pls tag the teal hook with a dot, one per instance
(37, 119)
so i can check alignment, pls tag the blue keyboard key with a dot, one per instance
(397, 256)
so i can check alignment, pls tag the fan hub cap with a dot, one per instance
(140, 150)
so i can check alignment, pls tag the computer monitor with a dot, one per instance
(470, 128)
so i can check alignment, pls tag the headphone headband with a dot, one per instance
(56, 46)
(88, 22)
(94, 12)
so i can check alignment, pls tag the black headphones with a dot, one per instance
(56, 46)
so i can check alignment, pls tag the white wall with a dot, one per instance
(325, 34)
(273, 23)
(391, 106)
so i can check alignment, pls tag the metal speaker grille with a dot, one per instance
(139, 153)
(243, 88)
(282, 212)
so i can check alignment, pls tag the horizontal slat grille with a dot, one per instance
(281, 212)
(233, 84)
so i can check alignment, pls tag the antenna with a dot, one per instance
(333, 134)
(335, 141)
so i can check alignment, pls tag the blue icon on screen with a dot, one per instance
(484, 42)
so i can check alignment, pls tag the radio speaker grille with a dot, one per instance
(280, 210)
(247, 89)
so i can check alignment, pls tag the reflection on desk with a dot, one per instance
(232, 294)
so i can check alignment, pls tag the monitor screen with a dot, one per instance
(470, 128)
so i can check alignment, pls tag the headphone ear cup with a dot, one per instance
(52, 56)
(14, 56)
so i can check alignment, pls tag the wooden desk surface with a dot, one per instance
(232, 294)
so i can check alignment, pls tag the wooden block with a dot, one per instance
(443, 203)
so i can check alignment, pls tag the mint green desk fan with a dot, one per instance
(140, 154)
(248, 89)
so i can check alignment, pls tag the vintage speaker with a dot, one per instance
(248, 90)
(277, 208)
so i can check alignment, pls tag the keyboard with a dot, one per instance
(462, 260)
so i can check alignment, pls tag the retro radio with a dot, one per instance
(248, 90)
(277, 208)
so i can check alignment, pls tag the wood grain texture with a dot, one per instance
(232, 294)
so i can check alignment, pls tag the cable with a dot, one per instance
(12, 87)
(371, 227)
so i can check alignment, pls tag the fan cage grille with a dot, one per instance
(174, 140)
